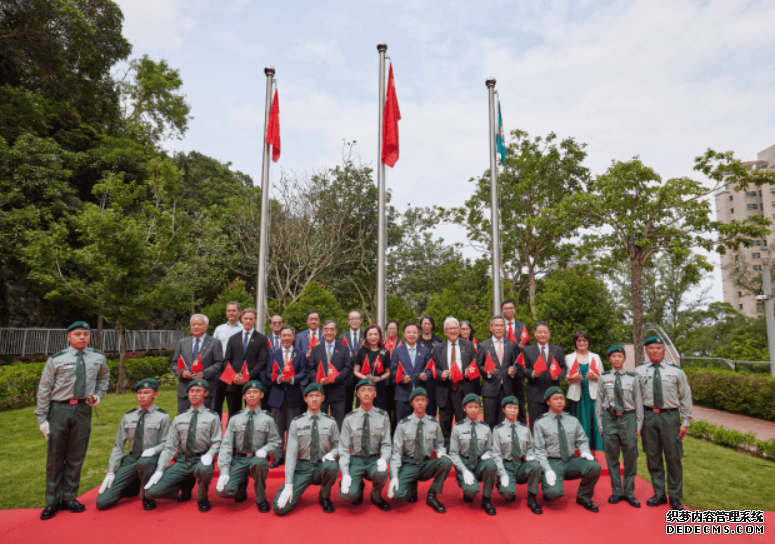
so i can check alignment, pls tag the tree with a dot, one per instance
(235, 291)
(315, 297)
(635, 215)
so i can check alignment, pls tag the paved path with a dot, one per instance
(764, 430)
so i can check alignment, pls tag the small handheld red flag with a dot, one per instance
(511, 336)
(524, 335)
(476, 345)
(313, 341)
(321, 373)
(344, 341)
(489, 364)
(276, 372)
(365, 368)
(228, 374)
(593, 367)
(181, 364)
(288, 370)
(521, 360)
(400, 373)
(456, 374)
(273, 128)
(391, 116)
(244, 372)
(472, 371)
(432, 367)
(378, 367)
(197, 366)
(333, 373)
(554, 369)
(269, 344)
(575, 368)
(540, 365)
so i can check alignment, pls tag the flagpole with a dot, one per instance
(382, 222)
(496, 235)
(264, 232)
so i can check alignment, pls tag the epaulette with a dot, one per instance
(132, 410)
(298, 417)
(404, 420)
(350, 414)
(58, 353)
(326, 415)
(212, 412)
(607, 372)
(499, 425)
(379, 411)
(630, 373)
(429, 418)
(520, 423)
(95, 350)
(162, 410)
(544, 415)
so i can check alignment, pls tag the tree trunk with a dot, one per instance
(121, 382)
(99, 331)
(532, 291)
(636, 272)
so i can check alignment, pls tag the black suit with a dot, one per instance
(500, 385)
(349, 387)
(449, 400)
(255, 355)
(212, 363)
(536, 387)
(334, 405)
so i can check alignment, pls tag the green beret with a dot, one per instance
(315, 386)
(416, 392)
(471, 397)
(198, 383)
(653, 340)
(616, 348)
(365, 381)
(509, 400)
(553, 390)
(147, 383)
(79, 325)
(252, 384)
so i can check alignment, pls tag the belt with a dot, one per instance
(70, 401)
(658, 410)
(612, 412)
(411, 457)
(248, 455)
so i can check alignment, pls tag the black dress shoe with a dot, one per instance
(487, 506)
(74, 506)
(204, 506)
(277, 462)
(589, 505)
(328, 506)
(467, 499)
(615, 499)
(413, 498)
(149, 504)
(632, 501)
(184, 496)
(49, 511)
(382, 505)
(264, 507)
(434, 503)
(656, 500)
(532, 503)
(675, 504)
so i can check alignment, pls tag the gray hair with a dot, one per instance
(451, 319)
(329, 322)
(249, 311)
(234, 303)
(498, 317)
(203, 316)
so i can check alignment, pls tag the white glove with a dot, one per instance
(551, 477)
(443, 455)
(223, 479)
(154, 479)
(107, 482)
(392, 487)
(207, 459)
(97, 399)
(150, 452)
(285, 496)
(530, 458)
(381, 465)
(261, 454)
(468, 478)
(485, 456)
(504, 481)
(330, 456)
(45, 429)
(588, 455)
(345, 484)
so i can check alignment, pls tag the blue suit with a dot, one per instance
(401, 355)
(302, 340)
(285, 399)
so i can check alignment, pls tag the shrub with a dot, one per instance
(730, 438)
(746, 394)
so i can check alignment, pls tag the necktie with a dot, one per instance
(411, 355)
(473, 448)
(191, 439)
(563, 439)
(247, 441)
(516, 451)
(245, 341)
(195, 353)
(328, 349)
(657, 387)
(454, 362)
(137, 443)
(355, 340)
(499, 350)
(543, 355)
(419, 447)
(511, 331)
(314, 450)
(618, 395)
(80, 376)
(366, 438)
(287, 356)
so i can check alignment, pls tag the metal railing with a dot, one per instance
(24, 342)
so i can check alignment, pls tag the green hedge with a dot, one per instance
(731, 438)
(19, 381)
(746, 394)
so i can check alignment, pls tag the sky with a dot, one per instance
(663, 80)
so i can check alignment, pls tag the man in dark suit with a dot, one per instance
(198, 345)
(539, 382)
(414, 359)
(249, 346)
(498, 383)
(276, 325)
(516, 331)
(449, 396)
(285, 397)
(331, 352)
(354, 339)
(309, 338)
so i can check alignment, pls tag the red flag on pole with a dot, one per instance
(245, 374)
(313, 341)
(181, 364)
(197, 366)
(593, 366)
(378, 368)
(511, 336)
(288, 371)
(574, 369)
(540, 365)
(365, 369)
(276, 372)
(456, 374)
(432, 367)
(344, 341)
(269, 344)
(489, 364)
(228, 375)
(472, 371)
(521, 360)
(390, 124)
(524, 335)
(400, 373)
(273, 128)
(333, 373)
(554, 369)
(321, 373)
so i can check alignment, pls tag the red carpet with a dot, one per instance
(171, 523)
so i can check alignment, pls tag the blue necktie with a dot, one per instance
(412, 355)
(245, 342)
(195, 353)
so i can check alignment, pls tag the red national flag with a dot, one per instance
(244, 372)
(540, 365)
(181, 364)
(333, 373)
(456, 374)
(593, 366)
(275, 371)
(269, 344)
(472, 371)
(521, 360)
(476, 345)
(344, 341)
(524, 335)
(365, 368)
(390, 123)
(321, 373)
(273, 128)
(400, 373)
(432, 367)
(197, 366)
(228, 375)
(511, 336)
(288, 371)
(313, 341)
(378, 367)
(554, 369)
(489, 364)
(574, 369)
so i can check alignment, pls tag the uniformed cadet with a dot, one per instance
(514, 455)
(619, 413)
(310, 454)
(417, 436)
(196, 436)
(146, 428)
(556, 435)
(364, 449)
(667, 406)
(249, 436)
(73, 381)
(470, 450)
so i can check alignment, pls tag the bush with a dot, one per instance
(746, 394)
(730, 438)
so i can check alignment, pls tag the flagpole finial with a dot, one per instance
(269, 70)
(382, 46)
(490, 82)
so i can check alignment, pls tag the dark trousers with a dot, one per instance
(572, 469)
(403, 409)
(322, 473)
(335, 409)
(178, 474)
(282, 417)
(361, 470)
(219, 395)
(537, 409)
(241, 467)
(233, 402)
(391, 396)
(132, 474)
(485, 472)
(410, 473)
(521, 472)
(660, 435)
(453, 409)
(620, 435)
(349, 398)
(70, 426)
(493, 414)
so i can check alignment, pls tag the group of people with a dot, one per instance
(373, 408)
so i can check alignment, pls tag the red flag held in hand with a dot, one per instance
(432, 367)
(472, 371)
(540, 365)
(269, 344)
(333, 373)
(344, 341)
(378, 367)
(288, 370)
(390, 123)
(524, 335)
(276, 372)
(228, 375)
(244, 372)
(197, 366)
(593, 367)
(456, 374)
(574, 369)
(521, 360)
(365, 369)
(400, 373)
(273, 128)
(476, 345)
(321, 373)
(489, 364)
(181, 364)
(554, 369)
(313, 341)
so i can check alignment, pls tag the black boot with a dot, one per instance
(532, 503)
(434, 503)
(487, 506)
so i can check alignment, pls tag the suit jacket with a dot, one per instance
(341, 360)
(292, 394)
(272, 342)
(255, 355)
(491, 386)
(212, 361)
(536, 387)
(466, 354)
(302, 340)
(401, 355)
(352, 347)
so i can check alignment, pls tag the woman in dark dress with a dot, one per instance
(428, 339)
(378, 364)
(467, 333)
(392, 341)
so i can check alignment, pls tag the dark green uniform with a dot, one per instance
(520, 466)
(466, 455)
(411, 460)
(62, 403)
(356, 463)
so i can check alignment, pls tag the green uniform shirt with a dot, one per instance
(300, 436)
(675, 388)
(547, 440)
(57, 383)
(156, 428)
(460, 441)
(265, 436)
(403, 440)
(352, 432)
(501, 444)
(606, 398)
(208, 435)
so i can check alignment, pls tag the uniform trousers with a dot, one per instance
(660, 435)
(410, 473)
(485, 472)
(130, 478)
(184, 468)
(360, 470)
(520, 472)
(70, 427)
(322, 473)
(620, 435)
(241, 467)
(572, 469)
